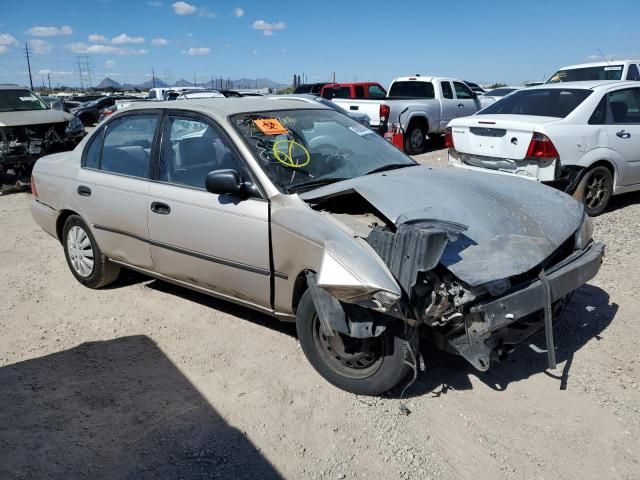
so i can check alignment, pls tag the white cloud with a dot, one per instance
(3, 49)
(183, 8)
(7, 39)
(199, 51)
(47, 71)
(190, 35)
(238, 12)
(124, 39)
(49, 31)
(95, 38)
(154, 3)
(206, 13)
(268, 28)
(110, 63)
(39, 46)
(159, 42)
(80, 47)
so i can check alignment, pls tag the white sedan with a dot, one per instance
(581, 137)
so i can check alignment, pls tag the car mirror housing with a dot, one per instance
(226, 181)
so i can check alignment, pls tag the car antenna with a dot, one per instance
(602, 55)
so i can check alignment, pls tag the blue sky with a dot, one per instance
(375, 40)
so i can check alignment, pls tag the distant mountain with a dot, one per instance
(108, 83)
(182, 83)
(239, 84)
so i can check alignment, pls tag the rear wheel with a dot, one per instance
(415, 139)
(84, 257)
(367, 366)
(595, 190)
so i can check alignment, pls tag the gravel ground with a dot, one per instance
(147, 380)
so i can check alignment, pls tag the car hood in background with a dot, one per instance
(33, 117)
(513, 224)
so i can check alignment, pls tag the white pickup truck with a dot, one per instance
(423, 106)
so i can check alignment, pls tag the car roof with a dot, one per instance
(585, 84)
(228, 106)
(600, 64)
(8, 86)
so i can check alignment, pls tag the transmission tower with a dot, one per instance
(84, 71)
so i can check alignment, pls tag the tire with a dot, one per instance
(595, 190)
(84, 257)
(415, 140)
(377, 366)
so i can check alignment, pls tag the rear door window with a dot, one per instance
(446, 90)
(359, 91)
(376, 91)
(127, 145)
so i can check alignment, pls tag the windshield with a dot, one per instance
(20, 99)
(605, 72)
(304, 149)
(541, 102)
(499, 92)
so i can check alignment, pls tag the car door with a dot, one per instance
(219, 243)
(466, 100)
(449, 104)
(113, 184)
(623, 131)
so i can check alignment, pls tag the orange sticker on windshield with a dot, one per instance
(271, 126)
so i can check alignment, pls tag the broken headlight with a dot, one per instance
(584, 234)
(74, 126)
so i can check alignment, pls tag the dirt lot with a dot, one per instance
(146, 380)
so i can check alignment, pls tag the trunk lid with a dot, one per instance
(498, 136)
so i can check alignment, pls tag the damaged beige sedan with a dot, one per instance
(300, 212)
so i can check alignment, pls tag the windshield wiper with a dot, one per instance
(319, 182)
(392, 166)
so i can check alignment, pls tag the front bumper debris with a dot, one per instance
(487, 324)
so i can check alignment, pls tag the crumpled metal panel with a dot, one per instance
(514, 223)
(414, 247)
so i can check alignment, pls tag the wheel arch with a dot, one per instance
(299, 287)
(62, 218)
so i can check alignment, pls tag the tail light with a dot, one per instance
(385, 110)
(541, 147)
(448, 138)
(34, 192)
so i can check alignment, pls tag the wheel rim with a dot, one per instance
(597, 190)
(416, 138)
(80, 251)
(350, 357)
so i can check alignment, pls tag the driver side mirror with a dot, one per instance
(226, 182)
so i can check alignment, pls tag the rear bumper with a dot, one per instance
(45, 216)
(490, 320)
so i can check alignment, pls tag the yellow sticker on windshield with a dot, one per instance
(271, 126)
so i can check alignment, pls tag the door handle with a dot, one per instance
(460, 105)
(354, 107)
(84, 191)
(160, 208)
(623, 134)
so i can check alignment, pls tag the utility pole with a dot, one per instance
(334, 77)
(49, 79)
(26, 51)
(153, 78)
(195, 83)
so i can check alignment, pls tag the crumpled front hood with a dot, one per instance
(33, 117)
(514, 224)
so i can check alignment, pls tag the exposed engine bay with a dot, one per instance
(461, 318)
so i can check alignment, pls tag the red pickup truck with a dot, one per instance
(353, 90)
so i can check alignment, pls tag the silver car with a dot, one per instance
(300, 212)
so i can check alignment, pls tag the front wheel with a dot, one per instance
(595, 190)
(84, 257)
(366, 366)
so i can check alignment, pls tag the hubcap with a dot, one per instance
(416, 138)
(350, 357)
(80, 251)
(597, 190)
